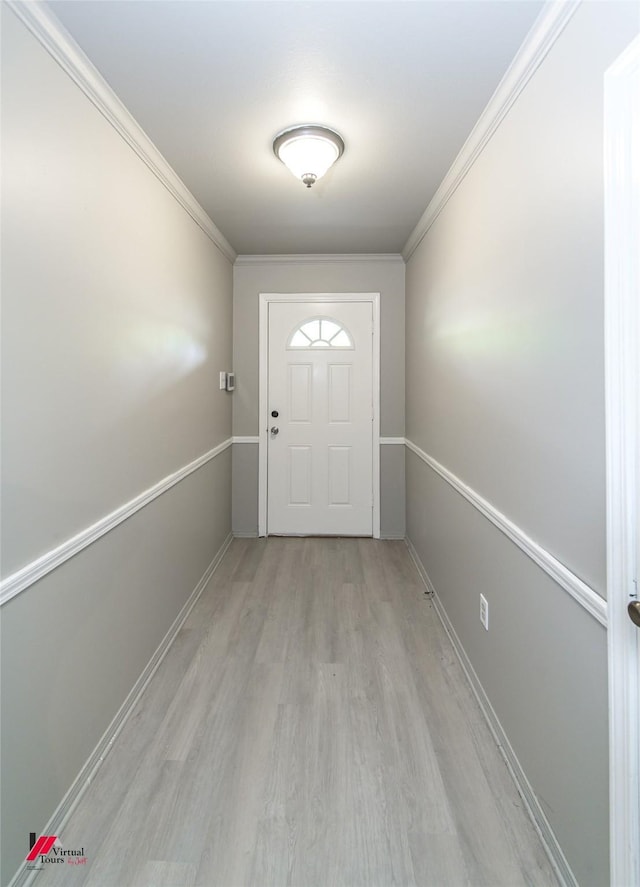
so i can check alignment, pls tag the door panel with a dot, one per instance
(299, 475)
(339, 393)
(320, 381)
(339, 475)
(300, 377)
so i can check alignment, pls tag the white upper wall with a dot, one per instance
(505, 369)
(117, 314)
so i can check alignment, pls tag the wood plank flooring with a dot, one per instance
(310, 727)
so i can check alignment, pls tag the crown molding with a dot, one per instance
(319, 259)
(545, 31)
(50, 33)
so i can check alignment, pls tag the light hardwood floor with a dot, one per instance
(310, 727)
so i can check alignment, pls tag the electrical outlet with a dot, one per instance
(223, 381)
(484, 611)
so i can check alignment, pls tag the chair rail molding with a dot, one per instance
(61, 46)
(32, 572)
(561, 575)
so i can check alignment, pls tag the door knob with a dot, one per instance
(634, 612)
(274, 430)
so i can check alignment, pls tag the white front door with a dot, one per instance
(320, 415)
(622, 337)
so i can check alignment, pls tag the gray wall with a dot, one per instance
(505, 386)
(253, 276)
(117, 314)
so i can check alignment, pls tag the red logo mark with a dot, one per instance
(42, 846)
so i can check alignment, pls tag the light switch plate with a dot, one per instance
(223, 381)
(484, 611)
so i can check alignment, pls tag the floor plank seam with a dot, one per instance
(307, 730)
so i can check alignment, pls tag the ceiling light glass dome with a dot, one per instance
(308, 151)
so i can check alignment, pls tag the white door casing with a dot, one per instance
(319, 474)
(622, 361)
(319, 466)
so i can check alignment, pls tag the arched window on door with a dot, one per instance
(320, 332)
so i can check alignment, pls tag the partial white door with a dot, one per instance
(320, 415)
(622, 335)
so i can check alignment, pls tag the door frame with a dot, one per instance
(622, 369)
(263, 441)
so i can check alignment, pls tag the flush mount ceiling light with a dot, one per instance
(308, 151)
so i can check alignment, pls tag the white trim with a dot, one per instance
(263, 443)
(50, 33)
(544, 33)
(384, 441)
(320, 259)
(263, 360)
(376, 414)
(532, 805)
(622, 374)
(23, 578)
(88, 772)
(579, 590)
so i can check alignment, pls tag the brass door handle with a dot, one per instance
(634, 612)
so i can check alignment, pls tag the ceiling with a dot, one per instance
(213, 82)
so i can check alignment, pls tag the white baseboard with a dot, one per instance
(532, 805)
(25, 877)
